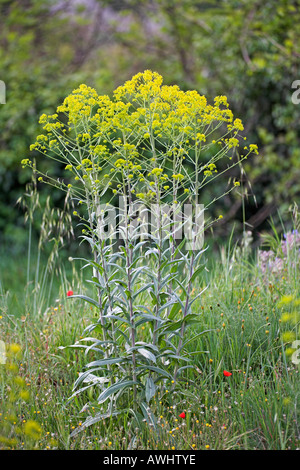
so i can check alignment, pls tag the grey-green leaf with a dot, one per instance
(147, 354)
(150, 389)
(115, 388)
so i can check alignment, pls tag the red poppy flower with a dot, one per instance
(69, 293)
(182, 415)
(227, 374)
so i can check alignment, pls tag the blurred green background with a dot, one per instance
(247, 50)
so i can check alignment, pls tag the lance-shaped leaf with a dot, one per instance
(141, 289)
(94, 419)
(147, 354)
(147, 318)
(197, 272)
(116, 317)
(137, 271)
(83, 375)
(158, 370)
(105, 362)
(122, 385)
(198, 255)
(168, 304)
(140, 344)
(150, 389)
(86, 298)
(148, 415)
(197, 296)
(97, 281)
(179, 358)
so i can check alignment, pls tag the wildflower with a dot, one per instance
(32, 429)
(156, 171)
(179, 176)
(238, 124)
(286, 401)
(289, 351)
(286, 299)
(19, 381)
(288, 336)
(233, 142)
(226, 373)
(182, 415)
(69, 293)
(286, 317)
(253, 148)
(24, 395)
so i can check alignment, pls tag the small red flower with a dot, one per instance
(69, 293)
(227, 374)
(182, 415)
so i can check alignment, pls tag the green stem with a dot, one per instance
(129, 259)
(160, 242)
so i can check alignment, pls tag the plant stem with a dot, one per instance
(129, 259)
(159, 245)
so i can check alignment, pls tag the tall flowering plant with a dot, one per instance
(135, 165)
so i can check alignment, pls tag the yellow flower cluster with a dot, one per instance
(143, 130)
(178, 177)
(292, 320)
(78, 105)
(12, 432)
(143, 86)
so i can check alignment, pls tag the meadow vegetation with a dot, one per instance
(149, 343)
(248, 323)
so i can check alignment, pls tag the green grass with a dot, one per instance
(255, 408)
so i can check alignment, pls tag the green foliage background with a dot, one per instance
(245, 49)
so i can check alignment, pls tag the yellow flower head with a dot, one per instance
(32, 429)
